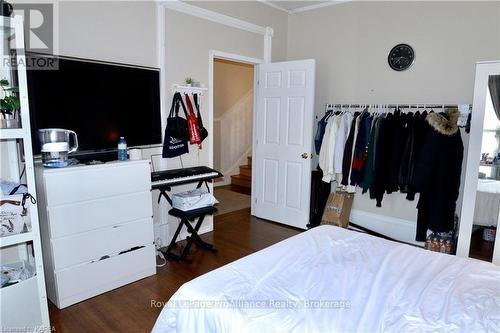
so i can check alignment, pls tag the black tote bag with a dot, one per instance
(176, 125)
(176, 132)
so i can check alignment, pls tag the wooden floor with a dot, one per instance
(128, 309)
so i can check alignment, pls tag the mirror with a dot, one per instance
(487, 203)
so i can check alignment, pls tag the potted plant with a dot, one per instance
(189, 81)
(9, 105)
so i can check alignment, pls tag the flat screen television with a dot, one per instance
(100, 101)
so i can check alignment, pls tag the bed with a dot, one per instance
(330, 279)
(487, 202)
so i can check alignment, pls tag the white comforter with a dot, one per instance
(367, 284)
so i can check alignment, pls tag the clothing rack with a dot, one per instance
(465, 109)
(392, 106)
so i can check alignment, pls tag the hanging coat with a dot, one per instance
(369, 172)
(397, 147)
(320, 132)
(360, 151)
(340, 143)
(347, 156)
(436, 176)
(352, 186)
(382, 158)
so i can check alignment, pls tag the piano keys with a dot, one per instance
(182, 176)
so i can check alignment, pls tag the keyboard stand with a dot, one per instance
(185, 217)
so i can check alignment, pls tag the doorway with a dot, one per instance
(232, 105)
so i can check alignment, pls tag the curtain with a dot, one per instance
(494, 86)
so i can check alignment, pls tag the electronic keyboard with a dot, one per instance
(183, 176)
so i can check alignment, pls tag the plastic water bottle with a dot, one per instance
(122, 149)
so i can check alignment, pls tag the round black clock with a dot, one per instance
(401, 57)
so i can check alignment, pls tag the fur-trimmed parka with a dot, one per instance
(436, 177)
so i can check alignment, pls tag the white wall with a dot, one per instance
(257, 13)
(119, 31)
(350, 43)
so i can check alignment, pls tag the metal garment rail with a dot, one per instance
(465, 109)
(394, 106)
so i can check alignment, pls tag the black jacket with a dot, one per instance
(436, 174)
(417, 127)
(347, 157)
(399, 139)
(382, 158)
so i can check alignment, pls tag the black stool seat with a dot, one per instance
(192, 214)
(185, 217)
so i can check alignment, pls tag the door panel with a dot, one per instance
(284, 113)
(295, 129)
(272, 120)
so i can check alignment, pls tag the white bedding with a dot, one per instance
(385, 287)
(487, 202)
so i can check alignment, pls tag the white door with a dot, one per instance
(283, 141)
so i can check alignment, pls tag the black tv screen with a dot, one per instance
(99, 101)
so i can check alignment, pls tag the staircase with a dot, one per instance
(244, 178)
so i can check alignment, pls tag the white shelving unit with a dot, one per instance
(22, 305)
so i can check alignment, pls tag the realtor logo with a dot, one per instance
(39, 35)
(38, 26)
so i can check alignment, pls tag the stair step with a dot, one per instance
(241, 180)
(249, 159)
(246, 170)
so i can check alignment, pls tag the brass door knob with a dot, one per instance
(304, 156)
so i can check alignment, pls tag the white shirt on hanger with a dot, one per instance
(327, 151)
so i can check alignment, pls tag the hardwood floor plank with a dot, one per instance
(128, 309)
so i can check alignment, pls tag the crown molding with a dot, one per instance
(273, 5)
(319, 5)
(216, 17)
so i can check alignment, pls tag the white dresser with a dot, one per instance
(97, 228)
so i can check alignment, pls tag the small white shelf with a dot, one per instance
(16, 239)
(188, 90)
(11, 133)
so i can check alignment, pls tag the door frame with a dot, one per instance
(214, 54)
(483, 71)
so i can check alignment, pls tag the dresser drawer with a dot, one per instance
(88, 280)
(93, 245)
(83, 216)
(78, 184)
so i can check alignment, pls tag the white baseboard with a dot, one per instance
(399, 229)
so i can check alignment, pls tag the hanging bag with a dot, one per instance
(176, 125)
(176, 133)
(203, 130)
(194, 131)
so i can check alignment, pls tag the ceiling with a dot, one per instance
(297, 6)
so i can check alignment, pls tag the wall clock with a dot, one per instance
(401, 57)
